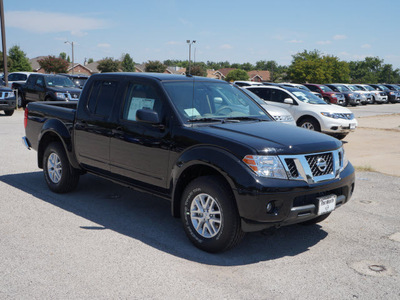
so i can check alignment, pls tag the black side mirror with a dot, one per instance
(147, 116)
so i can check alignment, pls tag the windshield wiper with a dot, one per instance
(206, 120)
(245, 119)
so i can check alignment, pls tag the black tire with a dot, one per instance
(9, 112)
(340, 136)
(21, 100)
(316, 220)
(309, 123)
(58, 173)
(219, 230)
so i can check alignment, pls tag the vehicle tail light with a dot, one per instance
(26, 117)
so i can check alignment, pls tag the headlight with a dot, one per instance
(9, 95)
(266, 166)
(61, 96)
(351, 95)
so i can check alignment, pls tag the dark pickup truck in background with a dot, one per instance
(226, 166)
(7, 100)
(48, 87)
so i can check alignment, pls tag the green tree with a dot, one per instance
(9, 62)
(127, 63)
(198, 70)
(366, 71)
(247, 66)
(68, 59)
(237, 75)
(90, 60)
(52, 64)
(19, 61)
(155, 66)
(63, 55)
(108, 64)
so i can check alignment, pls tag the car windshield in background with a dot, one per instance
(383, 88)
(79, 81)
(353, 88)
(369, 88)
(198, 101)
(59, 81)
(342, 88)
(308, 97)
(325, 88)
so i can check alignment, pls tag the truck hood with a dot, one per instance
(273, 137)
(64, 89)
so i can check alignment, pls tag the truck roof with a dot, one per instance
(158, 76)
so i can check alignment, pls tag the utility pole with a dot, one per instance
(190, 51)
(3, 40)
(73, 64)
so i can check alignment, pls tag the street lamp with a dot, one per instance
(190, 51)
(72, 44)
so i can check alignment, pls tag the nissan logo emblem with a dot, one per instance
(321, 164)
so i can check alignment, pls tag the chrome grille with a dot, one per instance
(292, 168)
(320, 164)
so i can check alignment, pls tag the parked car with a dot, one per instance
(278, 113)
(351, 97)
(47, 87)
(392, 95)
(301, 87)
(309, 111)
(78, 79)
(394, 88)
(246, 83)
(17, 78)
(226, 167)
(377, 96)
(7, 100)
(327, 93)
(366, 97)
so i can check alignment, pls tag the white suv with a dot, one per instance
(308, 110)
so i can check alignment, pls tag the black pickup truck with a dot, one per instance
(47, 87)
(226, 166)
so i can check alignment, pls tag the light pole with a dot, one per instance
(72, 44)
(190, 51)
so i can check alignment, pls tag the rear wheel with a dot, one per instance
(58, 173)
(210, 216)
(310, 124)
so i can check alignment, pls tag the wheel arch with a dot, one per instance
(304, 117)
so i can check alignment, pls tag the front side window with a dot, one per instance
(325, 89)
(140, 96)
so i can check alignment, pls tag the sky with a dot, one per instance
(234, 31)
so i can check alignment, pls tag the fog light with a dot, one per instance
(270, 207)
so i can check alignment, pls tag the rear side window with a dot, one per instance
(101, 97)
(262, 93)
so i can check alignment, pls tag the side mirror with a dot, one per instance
(288, 101)
(147, 116)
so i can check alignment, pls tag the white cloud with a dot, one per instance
(340, 37)
(366, 46)
(226, 47)
(324, 42)
(47, 22)
(103, 45)
(295, 41)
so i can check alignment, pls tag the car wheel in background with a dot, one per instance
(309, 124)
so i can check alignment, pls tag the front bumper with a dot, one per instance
(293, 201)
(7, 104)
(330, 125)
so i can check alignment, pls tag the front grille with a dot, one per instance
(321, 164)
(292, 167)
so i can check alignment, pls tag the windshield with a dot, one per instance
(59, 81)
(362, 88)
(353, 88)
(308, 97)
(342, 88)
(383, 88)
(325, 88)
(369, 88)
(211, 101)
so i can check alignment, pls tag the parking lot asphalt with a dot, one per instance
(104, 241)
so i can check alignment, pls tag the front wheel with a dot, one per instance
(21, 101)
(310, 124)
(9, 112)
(210, 216)
(58, 173)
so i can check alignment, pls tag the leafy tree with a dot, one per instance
(63, 55)
(155, 66)
(247, 66)
(237, 75)
(314, 67)
(68, 59)
(90, 60)
(19, 61)
(52, 64)
(127, 64)
(198, 70)
(9, 62)
(108, 64)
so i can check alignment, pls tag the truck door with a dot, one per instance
(93, 126)
(140, 151)
(29, 89)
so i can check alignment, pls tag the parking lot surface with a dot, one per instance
(104, 241)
